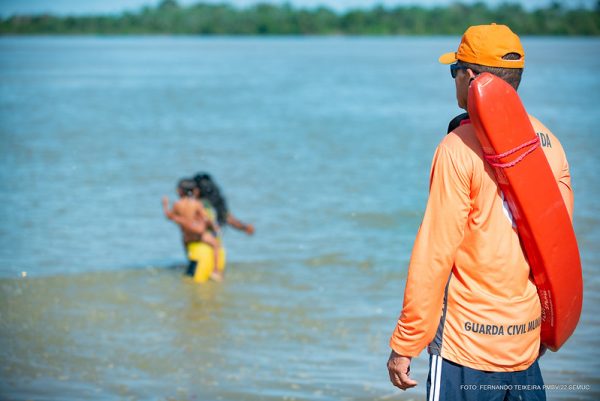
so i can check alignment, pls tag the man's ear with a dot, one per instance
(472, 75)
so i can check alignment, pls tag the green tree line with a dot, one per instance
(268, 19)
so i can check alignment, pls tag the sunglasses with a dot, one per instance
(454, 69)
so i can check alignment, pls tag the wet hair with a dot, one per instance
(510, 75)
(187, 186)
(210, 190)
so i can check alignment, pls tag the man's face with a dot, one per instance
(462, 87)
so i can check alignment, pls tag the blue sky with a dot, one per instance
(11, 7)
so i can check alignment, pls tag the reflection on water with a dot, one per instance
(151, 333)
(267, 333)
(324, 143)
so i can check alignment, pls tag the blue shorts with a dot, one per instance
(191, 270)
(450, 381)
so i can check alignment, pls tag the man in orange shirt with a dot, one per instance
(469, 296)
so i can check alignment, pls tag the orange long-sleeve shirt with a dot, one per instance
(469, 294)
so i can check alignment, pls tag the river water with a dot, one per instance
(323, 143)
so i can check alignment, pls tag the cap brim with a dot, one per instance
(448, 58)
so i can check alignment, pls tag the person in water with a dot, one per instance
(211, 196)
(469, 295)
(194, 221)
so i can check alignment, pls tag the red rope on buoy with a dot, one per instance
(492, 159)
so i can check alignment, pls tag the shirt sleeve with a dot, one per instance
(432, 258)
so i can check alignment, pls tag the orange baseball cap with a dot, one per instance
(486, 45)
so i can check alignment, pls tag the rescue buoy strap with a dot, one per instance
(493, 159)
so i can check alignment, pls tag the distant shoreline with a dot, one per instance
(201, 19)
(262, 37)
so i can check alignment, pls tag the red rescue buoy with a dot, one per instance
(511, 146)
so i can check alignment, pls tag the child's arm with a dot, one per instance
(167, 212)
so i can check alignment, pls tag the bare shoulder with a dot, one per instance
(187, 207)
(177, 206)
